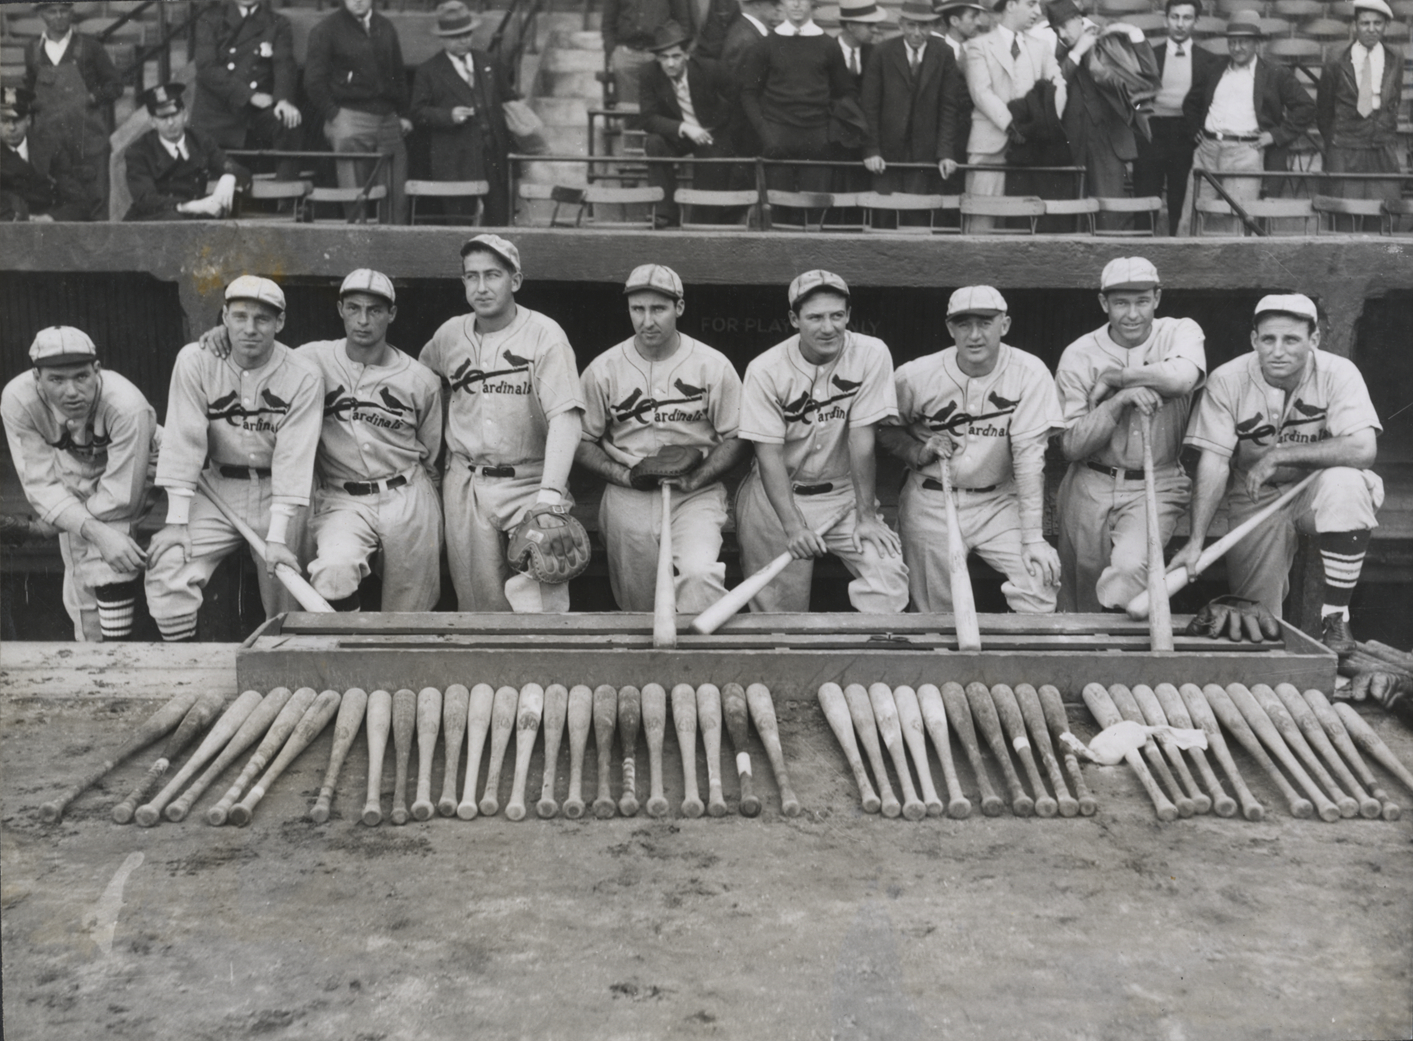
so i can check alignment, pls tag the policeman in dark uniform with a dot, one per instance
(40, 181)
(171, 166)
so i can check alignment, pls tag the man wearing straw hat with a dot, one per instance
(1357, 106)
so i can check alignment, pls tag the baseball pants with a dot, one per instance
(1104, 534)
(480, 511)
(1340, 499)
(404, 522)
(631, 522)
(880, 584)
(85, 570)
(990, 523)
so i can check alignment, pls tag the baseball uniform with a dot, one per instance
(1241, 416)
(634, 408)
(1000, 422)
(505, 387)
(377, 479)
(809, 409)
(99, 467)
(1103, 524)
(254, 431)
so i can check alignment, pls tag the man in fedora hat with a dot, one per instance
(1247, 112)
(39, 181)
(961, 20)
(170, 166)
(459, 97)
(1357, 105)
(628, 28)
(860, 22)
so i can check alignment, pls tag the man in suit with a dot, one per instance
(1248, 112)
(962, 20)
(685, 107)
(1164, 163)
(720, 16)
(170, 166)
(628, 28)
(902, 98)
(1357, 106)
(860, 22)
(753, 24)
(459, 97)
(39, 181)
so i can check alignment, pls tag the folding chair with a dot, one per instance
(446, 190)
(1360, 210)
(899, 203)
(1082, 210)
(583, 199)
(1213, 208)
(1031, 207)
(1149, 204)
(367, 213)
(1394, 209)
(264, 189)
(686, 198)
(1264, 211)
(804, 202)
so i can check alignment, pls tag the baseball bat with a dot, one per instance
(709, 718)
(1058, 722)
(1329, 720)
(954, 698)
(379, 722)
(963, 602)
(1152, 711)
(1004, 698)
(1295, 741)
(763, 712)
(429, 728)
(654, 726)
(503, 712)
(1231, 717)
(197, 718)
(1124, 701)
(684, 721)
(630, 717)
(1160, 618)
(404, 726)
(150, 813)
(1255, 715)
(456, 702)
(1106, 713)
(552, 722)
(1365, 738)
(738, 725)
(983, 714)
(316, 717)
(1366, 805)
(527, 725)
(352, 709)
(1175, 712)
(934, 717)
(478, 723)
(866, 730)
(836, 711)
(1034, 716)
(581, 710)
(665, 597)
(1392, 655)
(299, 588)
(1180, 577)
(1202, 716)
(249, 732)
(268, 748)
(885, 713)
(716, 615)
(605, 721)
(910, 719)
(153, 727)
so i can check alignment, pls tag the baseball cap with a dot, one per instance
(61, 345)
(1374, 5)
(1128, 273)
(16, 102)
(656, 277)
(366, 280)
(813, 281)
(503, 248)
(976, 300)
(1289, 303)
(253, 287)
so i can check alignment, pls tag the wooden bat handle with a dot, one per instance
(630, 714)
(352, 708)
(1106, 713)
(527, 725)
(984, 715)
(836, 713)
(684, 721)
(429, 727)
(552, 722)
(709, 719)
(665, 598)
(1175, 712)
(503, 712)
(250, 731)
(1329, 719)
(581, 712)
(1008, 708)
(1231, 717)
(1285, 726)
(1196, 702)
(455, 704)
(379, 723)
(1124, 701)
(934, 717)
(197, 718)
(268, 748)
(404, 726)
(866, 730)
(885, 711)
(1367, 806)
(310, 726)
(1160, 619)
(910, 718)
(221, 734)
(1152, 710)
(959, 716)
(605, 722)
(1265, 728)
(963, 602)
(1057, 719)
(1034, 717)
(738, 724)
(478, 723)
(655, 725)
(1365, 738)
(763, 712)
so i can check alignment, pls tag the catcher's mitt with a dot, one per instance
(671, 461)
(1233, 616)
(550, 544)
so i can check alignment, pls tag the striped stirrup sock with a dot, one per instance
(116, 605)
(1342, 553)
(179, 629)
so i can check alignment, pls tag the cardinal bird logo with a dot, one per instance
(640, 406)
(955, 421)
(465, 377)
(1308, 414)
(688, 389)
(799, 409)
(340, 405)
(1254, 430)
(848, 386)
(391, 403)
(516, 360)
(229, 408)
(1004, 404)
(96, 445)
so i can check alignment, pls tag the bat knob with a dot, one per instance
(49, 812)
(750, 806)
(657, 806)
(914, 810)
(1348, 807)
(935, 808)
(1391, 811)
(1023, 806)
(122, 813)
(399, 815)
(628, 806)
(239, 815)
(574, 808)
(1224, 806)
(604, 808)
(216, 815)
(372, 815)
(870, 802)
(692, 808)
(1068, 806)
(1185, 806)
(490, 806)
(515, 811)
(992, 806)
(716, 807)
(1046, 806)
(447, 807)
(892, 808)
(319, 812)
(959, 809)
(1254, 812)
(1369, 809)
(1088, 805)
(789, 805)
(1329, 813)
(146, 816)
(177, 811)
(1203, 803)
(467, 810)
(546, 808)
(423, 809)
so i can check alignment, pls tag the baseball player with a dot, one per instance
(988, 408)
(83, 442)
(661, 390)
(1268, 418)
(810, 404)
(1110, 382)
(513, 424)
(248, 424)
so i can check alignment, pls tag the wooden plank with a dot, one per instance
(88, 670)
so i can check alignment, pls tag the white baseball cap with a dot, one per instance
(253, 287)
(366, 280)
(1128, 273)
(657, 277)
(61, 345)
(1289, 303)
(1373, 5)
(503, 248)
(976, 300)
(810, 281)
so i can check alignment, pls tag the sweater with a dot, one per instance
(793, 79)
(348, 68)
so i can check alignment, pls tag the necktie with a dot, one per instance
(684, 100)
(913, 58)
(1179, 52)
(854, 60)
(463, 69)
(1365, 105)
(1015, 47)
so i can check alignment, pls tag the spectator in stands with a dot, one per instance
(74, 85)
(1165, 163)
(753, 24)
(860, 22)
(458, 96)
(246, 78)
(357, 82)
(961, 21)
(720, 16)
(170, 166)
(1357, 102)
(628, 27)
(685, 104)
(40, 182)
(1249, 111)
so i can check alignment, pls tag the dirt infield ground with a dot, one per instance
(831, 925)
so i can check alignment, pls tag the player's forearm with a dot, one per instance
(1213, 470)
(722, 459)
(863, 468)
(1358, 450)
(1171, 379)
(121, 489)
(775, 479)
(899, 442)
(1028, 465)
(1091, 431)
(591, 456)
(561, 442)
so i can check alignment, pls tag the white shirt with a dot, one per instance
(56, 48)
(808, 29)
(914, 54)
(1357, 53)
(175, 149)
(853, 56)
(463, 68)
(245, 10)
(1233, 108)
(956, 46)
(1177, 80)
(23, 149)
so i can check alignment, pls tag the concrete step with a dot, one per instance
(562, 59)
(570, 85)
(579, 39)
(563, 112)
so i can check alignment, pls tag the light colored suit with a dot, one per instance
(995, 79)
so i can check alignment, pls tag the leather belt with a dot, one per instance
(1213, 135)
(1114, 471)
(250, 472)
(813, 489)
(372, 487)
(494, 471)
(936, 486)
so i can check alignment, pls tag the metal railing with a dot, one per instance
(1239, 211)
(382, 169)
(515, 36)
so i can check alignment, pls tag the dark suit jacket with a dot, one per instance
(865, 55)
(100, 78)
(236, 58)
(47, 184)
(1093, 119)
(1283, 106)
(157, 182)
(1337, 100)
(956, 106)
(1204, 65)
(661, 113)
(905, 111)
(348, 68)
(719, 18)
(740, 38)
(471, 150)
